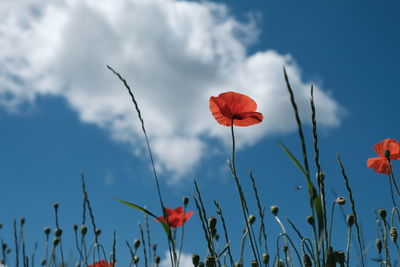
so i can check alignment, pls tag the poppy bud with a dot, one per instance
(340, 201)
(55, 205)
(22, 222)
(83, 229)
(75, 227)
(386, 152)
(56, 241)
(136, 259)
(216, 237)
(213, 232)
(58, 232)
(320, 176)
(154, 247)
(378, 245)
(340, 257)
(350, 219)
(285, 248)
(185, 201)
(238, 264)
(274, 210)
(265, 258)
(97, 232)
(212, 222)
(195, 259)
(157, 259)
(43, 262)
(210, 261)
(306, 260)
(310, 220)
(279, 263)
(201, 264)
(46, 230)
(252, 219)
(393, 234)
(4, 246)
(254, 263)
(382, 213)
(136, 243)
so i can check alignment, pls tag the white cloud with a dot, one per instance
(175, 54)
(185, 260)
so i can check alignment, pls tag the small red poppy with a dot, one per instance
(103, 263)
(232, 107)
(176, 217)
(381, 164)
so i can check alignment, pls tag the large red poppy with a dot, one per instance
(103, 263)
(381, 164)
(232, 107)
(176, 217)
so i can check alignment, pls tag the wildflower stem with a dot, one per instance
(331, 224)
(348, 247)
(219, 212)
(243, 202)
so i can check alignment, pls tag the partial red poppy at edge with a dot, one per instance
(234, 107)
(176, 217)
(103, 263)
(381, 164)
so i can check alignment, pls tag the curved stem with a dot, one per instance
(330, 226)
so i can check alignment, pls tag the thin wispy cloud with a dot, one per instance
(175, 55)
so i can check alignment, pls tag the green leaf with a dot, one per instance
(166, 227)
(293, 158)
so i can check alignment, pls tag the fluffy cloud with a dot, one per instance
(175, 54)
(185, 260)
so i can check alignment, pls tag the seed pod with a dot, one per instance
(265, 258)
(285, 248)
(22, 222)
(136, 259)
(280, 263)
(83, 229)
(43, 262)
(210, 261)
(393, 234)
(378, 245)
(201, 264)
(238, 264)
(97, 232)
(306, 260)
(185, 200)
(340, 200)
(56, 241)
(274, 210)
(46, 230)
(382, 213)
(75, 227)
(58, 232)
(310, 220)
(157, 259)
(350, 219)
(55, 205)
(254, 263)
(195, 259)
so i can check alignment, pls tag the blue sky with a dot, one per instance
(62, 112)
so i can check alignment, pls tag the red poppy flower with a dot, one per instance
(176, 217)
(102, 263)
(231, 107)
(381, 164)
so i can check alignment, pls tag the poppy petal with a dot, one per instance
(249, 118)
(380, 165)
(388, 144)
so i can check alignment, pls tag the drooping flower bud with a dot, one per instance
(136, 243)
(254, 263)
(58, 232)
(378, 245)
(350, 219)
(280, 263)
(252, 219)
(340, 257)
(212, 222)
(136, 259)
(210, 261)
(382, 213)
(306, 260)
(274, 210)
(265, 258)
(83, 229)
(56, 241)
(97, 232)
(185, 201)
(340, 200)
(46, 230)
